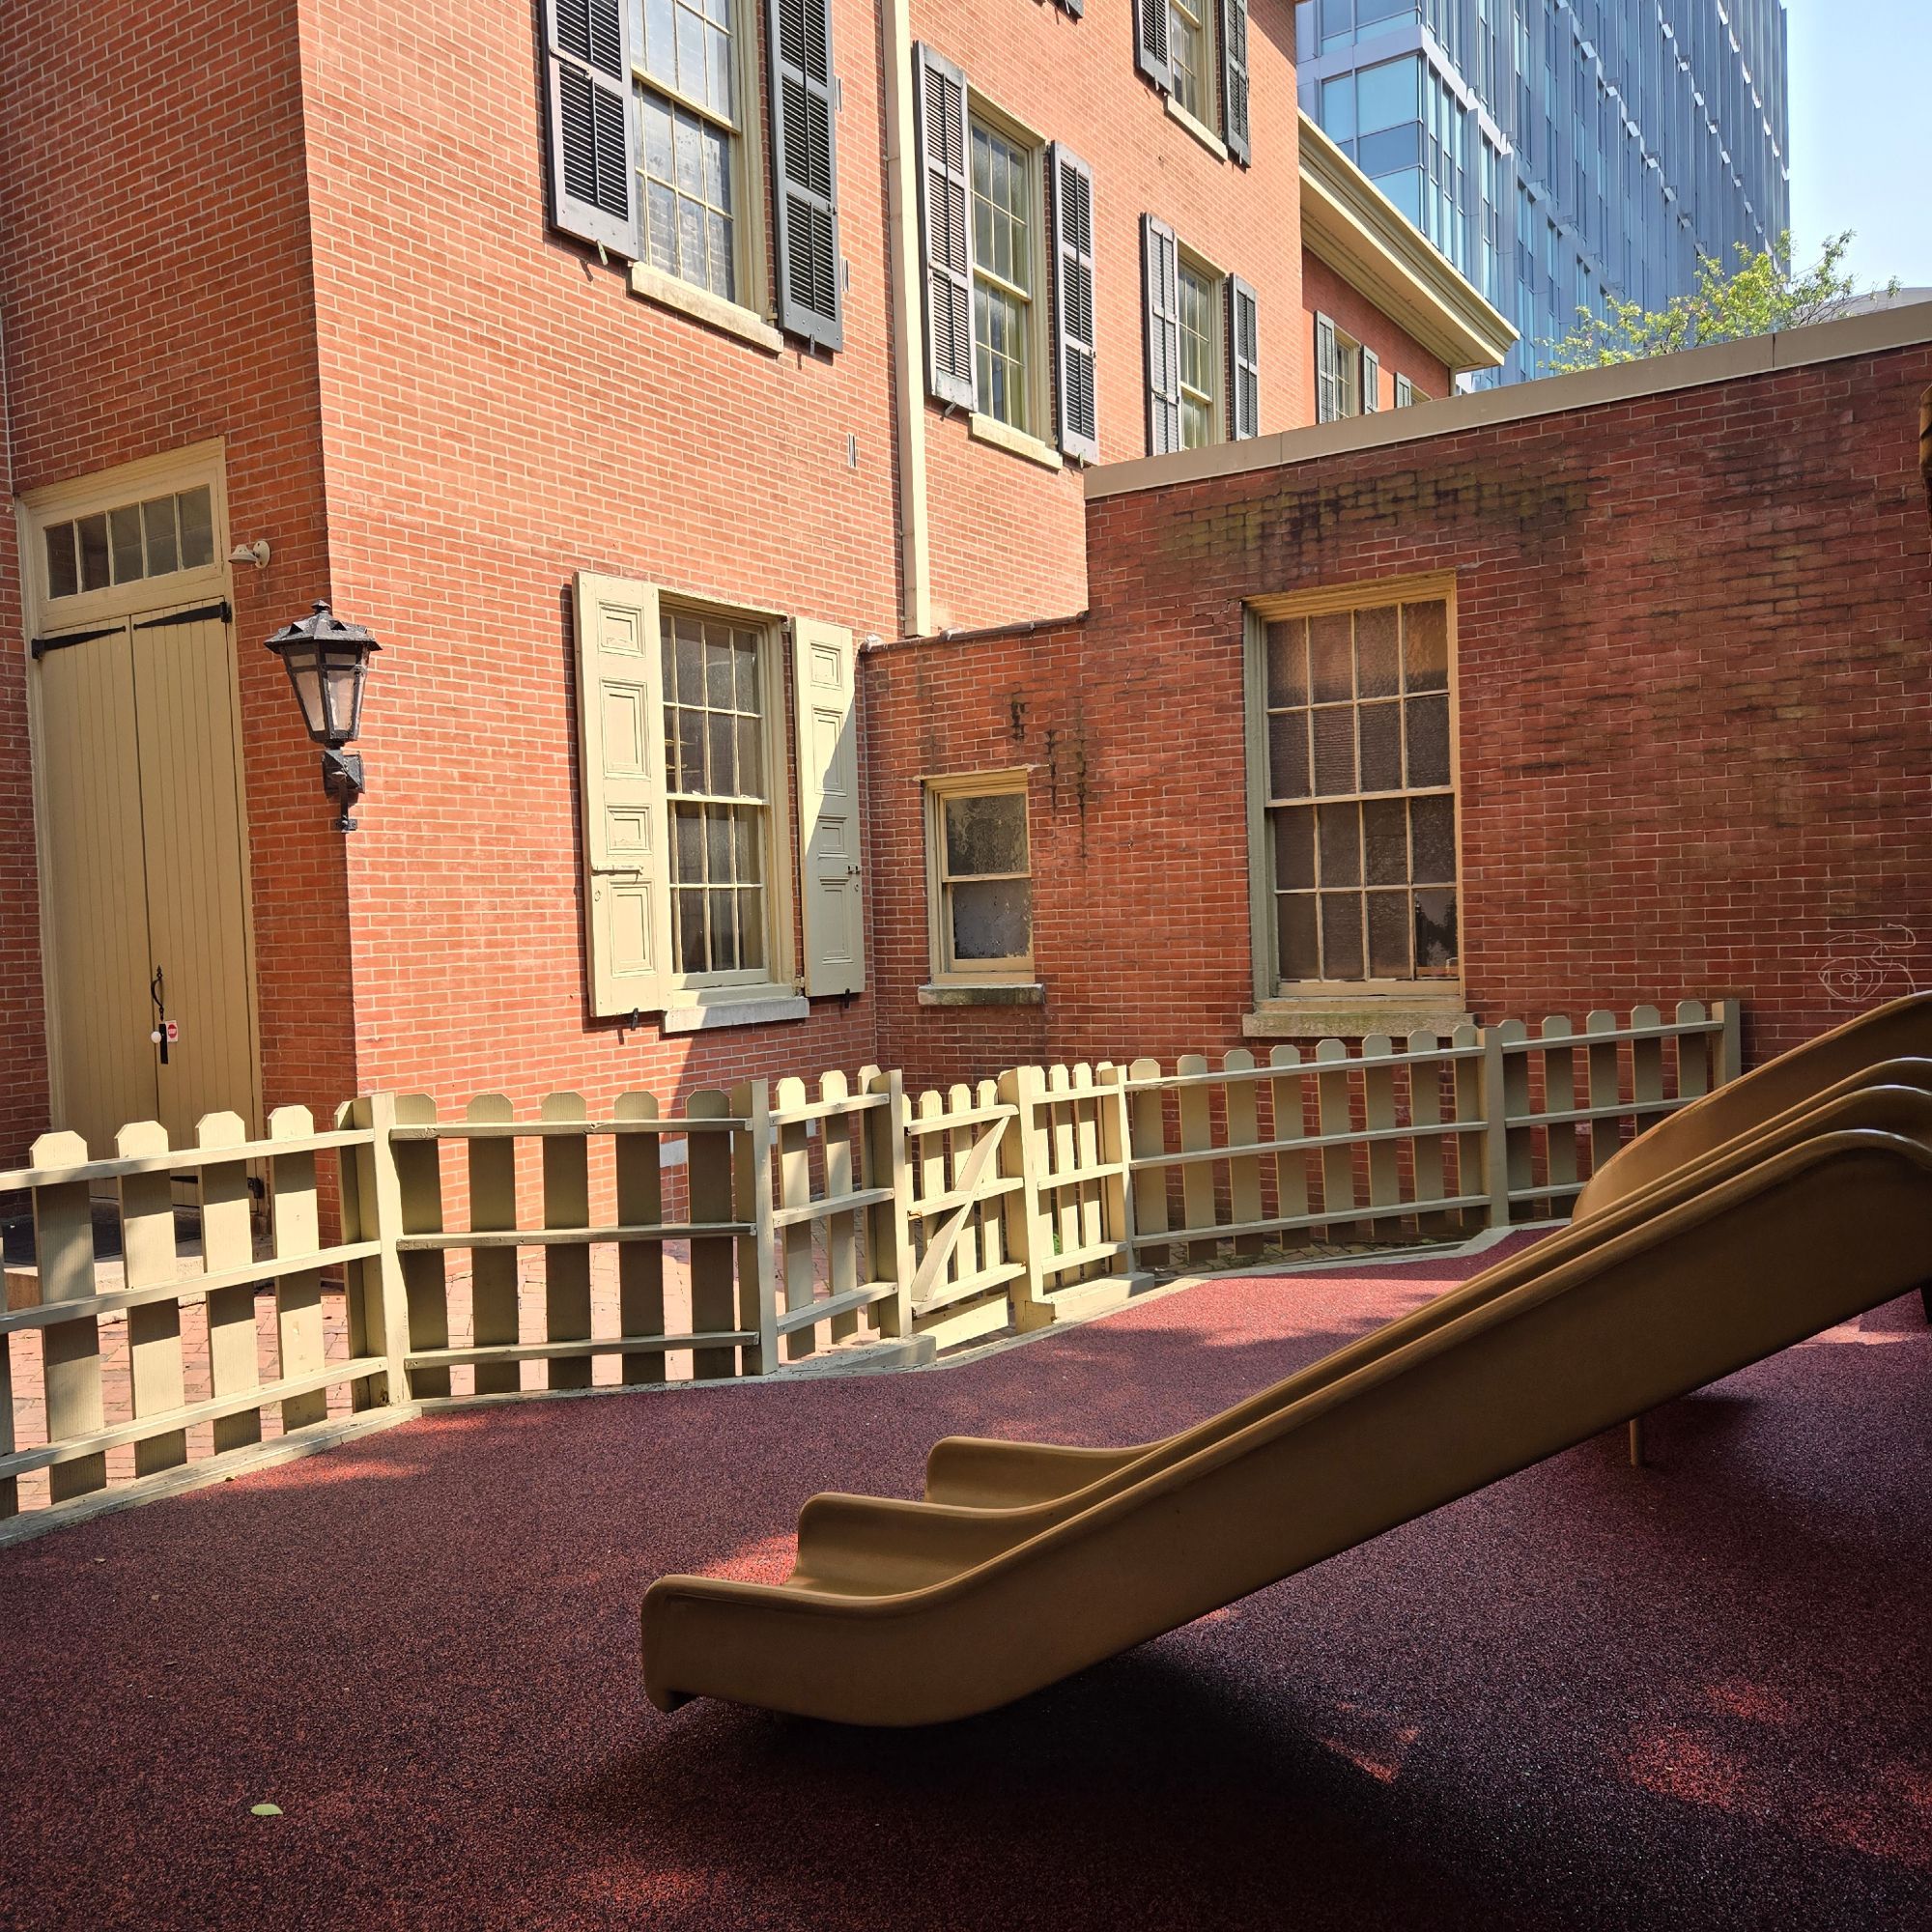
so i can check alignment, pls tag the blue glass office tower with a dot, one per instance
(1561, 151)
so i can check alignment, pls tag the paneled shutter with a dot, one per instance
(828, 808)
(1160, 257)
(593, 122)
(1328, 371)
(1073, 303)
(620, 739)
(1244, 387)
(1151, 50)
(1235, 79)
(945, 228)
(805, 169)
(1372, 382)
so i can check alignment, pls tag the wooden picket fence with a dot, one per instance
(497, 1255)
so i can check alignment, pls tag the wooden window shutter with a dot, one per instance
(620, 739)
(1372, 382)
(594, 122)
(945, 228)
(1074, 347)
(1235, 79)
(1151, 45)
(1404, 393)
(1244, 386)
(1328, 371)
(828, 808)
(805, 169)
(1160, 256)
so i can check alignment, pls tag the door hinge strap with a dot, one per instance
(40, 647)
(199, 615)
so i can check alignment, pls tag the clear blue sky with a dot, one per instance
(1861, 134)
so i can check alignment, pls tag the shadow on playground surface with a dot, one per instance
(1694, 1695)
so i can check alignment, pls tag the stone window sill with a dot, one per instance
(968, 993)
(698, 1016)
(1200, 130)
(1002, 436)
(1316, 1017)
(668, 291)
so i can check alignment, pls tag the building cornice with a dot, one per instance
(1348, 224)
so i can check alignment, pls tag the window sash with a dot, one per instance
(942, 880)
(1009, 402)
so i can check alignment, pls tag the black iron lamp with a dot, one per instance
(327, 662)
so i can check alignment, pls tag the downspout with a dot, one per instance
(908, 321)
(1925, 445)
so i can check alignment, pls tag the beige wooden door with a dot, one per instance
(142, 838)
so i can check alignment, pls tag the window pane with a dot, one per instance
(692, 954)
(1388, 93)
(1388, 936)
(723, 931)
(1341, 837)
(196, 511)
(746, 647)
(92, 553)
(1425, 638)
(751, 928)
(1435, 825)
(1338, 107)
(721, 680)
(163, 548)
(123, 539)
(1342, 935)
(1377, 653)
(1295, 936)
(986, 833)
(690, 752)
(1428, 741)
(661, 38)
(1288, 754)
(1335, 751)
(751, 763)
(690, 661)
(1434, 933)
(63, 572)
(1294, 847)
(722, 774)
(989, 918)
(1385, 838)
(1330, 654)
(750, 857)
(687, 857)
(1381, 747)
(1288, 662)
(717, 847)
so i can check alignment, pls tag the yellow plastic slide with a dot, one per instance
(1026, 1562)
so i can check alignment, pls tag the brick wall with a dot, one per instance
(1695, 722)
(1323, 290)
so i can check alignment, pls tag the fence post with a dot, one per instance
(889, 1225)
(1496, 1128)
(378, 1196)
(757, 1251)
(1116, 1144)
(1729, 1056)
(1025, 1228)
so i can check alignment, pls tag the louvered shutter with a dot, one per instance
(1160, 257)
(805, 169)
(620, 742)
(1372, 382)
(1235, 79)
(1151, 49)
(1073, 303)
(1327, 372)
(1244, 386)
(1404, 393)
(945, 228)
(1076, 8)
(828, 808)
(594, 122)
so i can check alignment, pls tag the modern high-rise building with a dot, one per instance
(1560, 152)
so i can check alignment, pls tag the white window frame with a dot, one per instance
(1039, 433)
(1189, 263)
(1018, 968)
(749, 274)
(1434, 998)
(777, 977)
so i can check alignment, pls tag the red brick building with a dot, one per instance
(801, 320)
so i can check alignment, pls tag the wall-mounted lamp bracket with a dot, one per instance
(342, 781)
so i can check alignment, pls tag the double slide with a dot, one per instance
(1776, 1207)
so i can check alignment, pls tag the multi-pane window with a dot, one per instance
(690, 163)
(980, 876)
(1200, 356)
(1360, 802)
(1002, 275)
(1190, 56)
(131, 541)
(717, 777)
(1338, 373)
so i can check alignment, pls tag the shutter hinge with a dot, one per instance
(40, 647)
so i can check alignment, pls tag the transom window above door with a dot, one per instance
(156, 537)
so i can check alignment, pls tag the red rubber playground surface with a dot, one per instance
(1696, 1694)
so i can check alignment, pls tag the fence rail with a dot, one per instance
(497, 1255)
